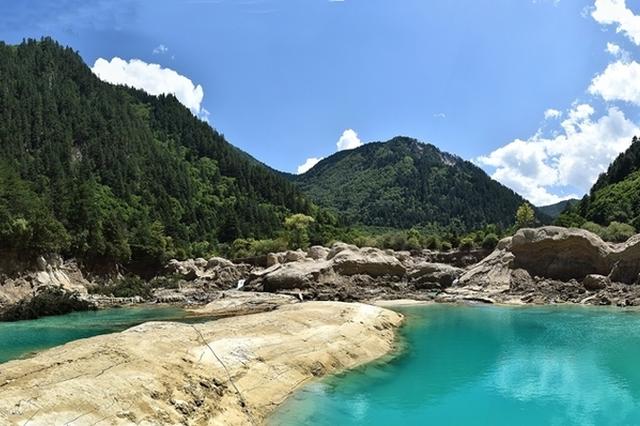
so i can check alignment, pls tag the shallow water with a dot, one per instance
(20, 338)
(486, 365)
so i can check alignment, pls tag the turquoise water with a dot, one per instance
(490, 366)
(20, 338)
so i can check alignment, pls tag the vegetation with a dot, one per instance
(612, 208)
(110, 174)
(404, 183)
(525, 216)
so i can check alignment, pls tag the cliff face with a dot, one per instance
(230, 371)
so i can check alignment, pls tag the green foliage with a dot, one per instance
(466, 244)
(403, 183)
(490, 241)
(109, 173)
(297, 227)
(525, 216)
(615, 197)
(614, 232)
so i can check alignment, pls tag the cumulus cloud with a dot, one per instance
(348, 140)
(152, 78)
(620, 81)
(540, 167)
(307, 165)
(616, 12)
(552, 114)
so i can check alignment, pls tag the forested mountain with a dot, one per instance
(615, 197)
(555, 210)
(105, 172)
(403, 183)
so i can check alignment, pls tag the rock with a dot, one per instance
(318, 252)
(296, 275)
(231, 303)
(560, 253)
(595, 282)
(338, 247)
(200, 263)
(493, 271)
(171, 373)
(434, 275)
(219, 262)
(626, 261)
(294, 256)
(367, 261)
(272, 259)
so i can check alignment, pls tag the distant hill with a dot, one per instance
(616, 194)
(554, 210)
(109, 173)
(402, 183)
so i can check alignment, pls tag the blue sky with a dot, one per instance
(291, 80)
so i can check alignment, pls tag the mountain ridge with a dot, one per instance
(403, 183)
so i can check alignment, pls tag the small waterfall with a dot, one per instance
(240, 284)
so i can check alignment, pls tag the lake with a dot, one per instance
(488, 365)
(20, 338)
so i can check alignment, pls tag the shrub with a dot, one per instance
(618, 232)
(490, 241)
(466, 244)
(446, 246)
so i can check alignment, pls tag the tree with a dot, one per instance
(297, 226)
(525, 216)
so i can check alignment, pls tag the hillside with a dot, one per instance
(555, 210)
(106, 172)
(615, 197)
(402, 183)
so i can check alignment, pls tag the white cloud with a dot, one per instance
(620, 81)
(151, 78)
(348, 140)
(616, 12)
(307, 165)
(440, 115)
(161, 49)
(540, 167)
(552, 114)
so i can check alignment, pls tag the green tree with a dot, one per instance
(297, 227)
(525, 216)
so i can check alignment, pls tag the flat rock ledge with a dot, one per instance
(231, 371)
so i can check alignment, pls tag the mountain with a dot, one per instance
(106, 172)
(615, 197)
(555, 210)
(403, 183)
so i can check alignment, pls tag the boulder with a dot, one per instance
(219, 262)
(560, 253)
(318, 252)
(368, 261)
(434, 275)
(339, 247)
(595, 282)
(294, 256)
(292, 275)
(272, 259)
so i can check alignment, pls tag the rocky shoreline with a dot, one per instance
(539, 266)
(231, 371)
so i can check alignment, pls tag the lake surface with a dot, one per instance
(490, 366)
(20, 338)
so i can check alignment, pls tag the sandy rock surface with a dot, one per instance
(227, 372)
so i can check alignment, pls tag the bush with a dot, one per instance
(490, 241)
(593, 227)
(466, 244)
(433, 243)
(446, 246)
(618, 232)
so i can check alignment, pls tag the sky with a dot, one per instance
(542, 94)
